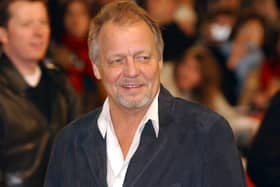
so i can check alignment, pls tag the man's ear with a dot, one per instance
(96, 71)
(3, 35)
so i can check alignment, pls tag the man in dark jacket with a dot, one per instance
(35, 98)
(264, 155)
(142, 136)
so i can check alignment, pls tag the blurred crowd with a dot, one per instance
(223, 49)
(224, 54)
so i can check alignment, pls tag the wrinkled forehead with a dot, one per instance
(112, 31)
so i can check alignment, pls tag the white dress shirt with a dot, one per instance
(116, 164)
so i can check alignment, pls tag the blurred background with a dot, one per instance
(224, 54)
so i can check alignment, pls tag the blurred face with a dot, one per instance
(232, 4)
(188, 75)
(26, 37)
(129, 66)
(163, 13)
(76, 19)
(224, 19)
(220, 28)
(251, 32)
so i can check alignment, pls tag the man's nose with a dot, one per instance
(131, 68)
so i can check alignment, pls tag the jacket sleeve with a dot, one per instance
(222, 163)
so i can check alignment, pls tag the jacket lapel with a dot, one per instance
(94, 147)
(151, 146)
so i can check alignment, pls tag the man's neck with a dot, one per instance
(125, 123)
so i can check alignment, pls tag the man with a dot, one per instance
(142, 136)
(35, 99)
(264, 154)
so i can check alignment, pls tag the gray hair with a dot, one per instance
(124, 12)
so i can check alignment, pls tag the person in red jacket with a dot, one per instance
(71, 52)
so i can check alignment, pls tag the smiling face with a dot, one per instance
(26, 36)
(129, 64)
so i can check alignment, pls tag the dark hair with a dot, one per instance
(218, 11)
(271, 43)
(4, 9)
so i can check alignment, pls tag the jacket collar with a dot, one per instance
(10, 76)
(13, 80)
(150, 147)
(94, 145)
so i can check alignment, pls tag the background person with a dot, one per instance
(197, 78)
(71, 52)
(35, 99)
(215, 31)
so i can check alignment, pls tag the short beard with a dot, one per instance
(130, 104)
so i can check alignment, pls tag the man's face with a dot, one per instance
(26, 37)
(129, 64)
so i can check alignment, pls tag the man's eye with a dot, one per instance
(142, 58)
(117, 61)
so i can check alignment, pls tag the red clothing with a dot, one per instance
(249, 181)
(81, 66)
(270, 70)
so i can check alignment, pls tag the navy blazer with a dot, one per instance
(195, 148)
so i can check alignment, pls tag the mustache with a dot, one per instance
(131, 81)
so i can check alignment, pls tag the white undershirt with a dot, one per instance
(116, 164)
(33, 79)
